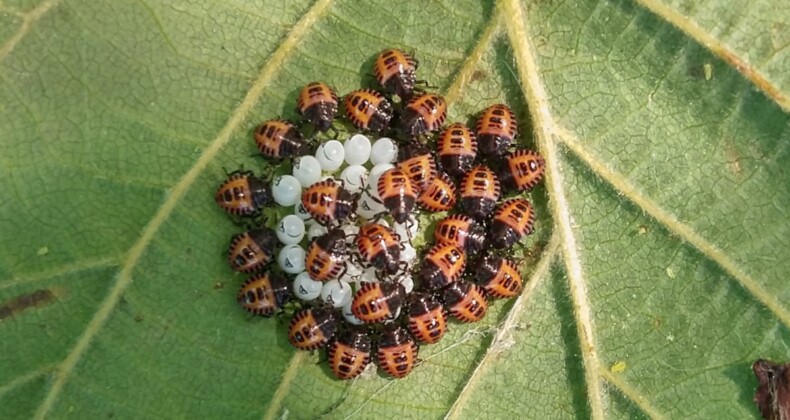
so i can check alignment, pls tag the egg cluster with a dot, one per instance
(345, 256)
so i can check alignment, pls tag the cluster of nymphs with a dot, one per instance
(361, 288)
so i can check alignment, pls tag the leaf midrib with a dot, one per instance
(545, 131)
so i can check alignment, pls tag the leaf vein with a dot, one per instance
(64, 270)
(719, 49)
(546, 131)
(26, 378)
(506, 327)
(28, 19)
(124, 277)
(632, 394)
(677, 227)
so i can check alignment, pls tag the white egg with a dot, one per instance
(330, 155)
(354, 177)
(336, 293)
(349, 316)
(291, 259)
(286, 190)
(384, 150)
(353, 272)
(306, 288)
(375, 174)
(348, 278)
(353, 269)
(315, 231)
(369, 275)
(290, 230)
(408, 253)
(357, 149)
(383, 222)
(307, 170)
(350, 230)
(368, 207)
(407, 230)
(302, 213)
(407, 281)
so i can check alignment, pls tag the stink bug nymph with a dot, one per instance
(377, 302)
(327, 201)
(396, 72)
(252, 250)
(444, 264)
(496, 130)
(423, 114)
(280, 139)
(498, 276)
(349, 354)
(312, 328)
(326, 256)
(243, 194)
(397, 352)
(427, 318)
(317, 102)
(368, 110)
(513, 220)
(263, 294)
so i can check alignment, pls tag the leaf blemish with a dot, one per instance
(37, 299)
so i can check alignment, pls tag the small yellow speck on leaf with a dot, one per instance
(618, 367)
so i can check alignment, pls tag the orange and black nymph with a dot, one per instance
(368, 110)
(327, 201)
(326, 256)
(264, 294)
(496, 130)
(498, 276)
(397, 352)
(466, 301)
(457, 149)
(349, 354)
(461, 231)
(480, 191)
(427, 318)
(243, 194)
(423, 114)
(522, 170)
(379, 246)
(253, 250)
(317, 102)
(513, 220)
(443, 264)
(440, 194)
(398, 194)
(280, 139)
(378, 302)
(418, 163)
(312, 328)
(396, 72)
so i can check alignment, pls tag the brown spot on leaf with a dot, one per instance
(773, 394)
(477, 76)
(733, 158)
(37, 299)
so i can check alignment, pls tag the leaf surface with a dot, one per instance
(657, 272)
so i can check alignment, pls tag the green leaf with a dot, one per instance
(657, 274)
